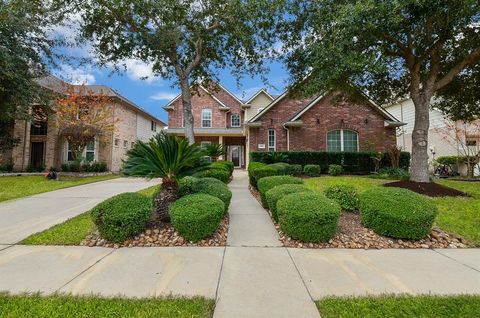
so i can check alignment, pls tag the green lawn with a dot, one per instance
(87, 307)
(400, 307)
(456, 215)
(21, 186)
(72, 231)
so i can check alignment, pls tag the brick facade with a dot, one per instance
(203, 100)
(321, 118)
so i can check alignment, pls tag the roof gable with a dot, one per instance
(262, 91)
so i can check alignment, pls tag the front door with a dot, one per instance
(37, 153)
(235, 154)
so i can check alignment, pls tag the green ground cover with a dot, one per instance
(87, 307)
(21, 186)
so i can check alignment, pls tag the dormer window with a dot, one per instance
(235, 120)
(206, 118)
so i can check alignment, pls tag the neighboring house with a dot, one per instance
(40, 142)
(283, 123)
(441, 139)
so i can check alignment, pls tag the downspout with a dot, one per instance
(288, 137)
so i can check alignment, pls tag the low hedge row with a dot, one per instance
(196, 216)
(123, 216)
(352, 162)
(308, 216)
(267, 183)
(278, 192)
(397, 212)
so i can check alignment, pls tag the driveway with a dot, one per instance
(22, 217)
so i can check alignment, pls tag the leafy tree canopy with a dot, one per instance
(26, 44)
(388, 48)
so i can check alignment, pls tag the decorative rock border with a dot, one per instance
(352, 234)
(164, 235)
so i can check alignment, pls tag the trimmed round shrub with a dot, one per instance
(345, 195)
(268, 183)
(261, 172)
(123, 216)
(281, 167)
(227, 163)
(185, 185)
(335, 170)
(196, 216)
(312, 170)
(295, 170)
(308, 217)
(278, 192)
(220, 174)
(222, 166)
(397, 212)
(218, 190)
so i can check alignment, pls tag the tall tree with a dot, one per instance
(26, 48)
(389, 48)
(185, 39)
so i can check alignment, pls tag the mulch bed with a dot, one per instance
(427, 188)
(163, 235)
(352, 234)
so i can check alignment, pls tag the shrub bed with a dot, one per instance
(196, 216)
(122, 216)
(312, 170)
(295, 170)
(278, 192)
(268, 183)
(185, 185)
(212, 186)
(345, 195)
(352, 162)
(398, 213)
(260, 171)
(308, 217)
(226, 163)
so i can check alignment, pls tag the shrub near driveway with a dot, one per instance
(308, 217)
(123, 216)
(268, 183)
(196, 216)
(345, 195)
(221, 174)
(278, 192)
(396, 212)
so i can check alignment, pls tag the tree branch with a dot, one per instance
(468, 60)
(198, 56)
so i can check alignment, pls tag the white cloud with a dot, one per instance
(163, 96)
(76, 75)
(139, 70)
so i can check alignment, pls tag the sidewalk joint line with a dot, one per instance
(85, 270)
(220, 274)
(457, 261)
(300, 275)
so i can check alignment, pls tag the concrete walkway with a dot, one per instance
(251, 277)
(22, 217)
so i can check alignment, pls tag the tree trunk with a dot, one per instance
(187, 109)
(419, 164)
(167, 195)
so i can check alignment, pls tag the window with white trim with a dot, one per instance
(272, 140)
(235, 120)
(206, 118)
(88, 152)
(342, 140)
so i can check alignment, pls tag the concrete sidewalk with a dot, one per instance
(20, 218)
(252, 277)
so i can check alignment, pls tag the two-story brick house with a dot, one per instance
(283, 123)
(41, 144)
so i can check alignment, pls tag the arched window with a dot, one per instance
(342, 140)
(235, 120)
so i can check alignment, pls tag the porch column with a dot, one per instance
(220, 142)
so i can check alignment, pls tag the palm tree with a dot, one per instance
(215, 150)
(167, 157)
